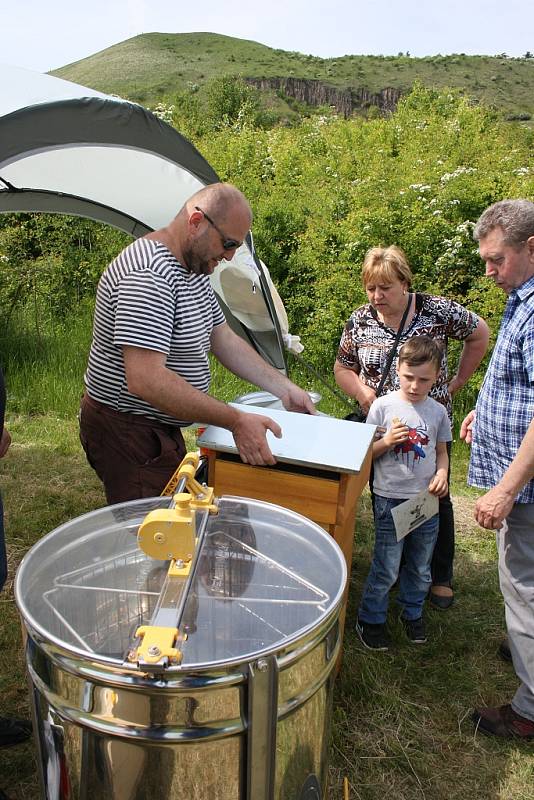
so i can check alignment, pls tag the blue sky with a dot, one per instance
(44, 35)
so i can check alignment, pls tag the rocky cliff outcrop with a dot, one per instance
(317, 93)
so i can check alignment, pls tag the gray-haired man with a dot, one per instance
(501, 432)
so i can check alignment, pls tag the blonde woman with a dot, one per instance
(367, 339)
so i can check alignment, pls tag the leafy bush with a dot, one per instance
(326, 190)
(51, 262)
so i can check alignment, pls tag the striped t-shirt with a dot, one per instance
(147, 299)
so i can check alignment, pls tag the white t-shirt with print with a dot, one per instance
(407, 469)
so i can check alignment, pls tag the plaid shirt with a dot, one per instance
(505, 405)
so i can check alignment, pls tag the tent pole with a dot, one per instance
(268, 298)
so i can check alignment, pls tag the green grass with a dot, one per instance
(153, 66)
(401, 724)
(44, 367)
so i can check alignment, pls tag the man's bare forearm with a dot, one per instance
(494, 506)
(241, 359)
(149, 379)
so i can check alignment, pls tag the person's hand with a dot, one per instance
(466, 428)
(249, 434)
(366, 398)
(397, 434)
(439, 485)
(5, 441)
(296, 399)
(492, 508)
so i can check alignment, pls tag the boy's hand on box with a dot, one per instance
(438, 485)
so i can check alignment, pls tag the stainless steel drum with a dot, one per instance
(246, 713)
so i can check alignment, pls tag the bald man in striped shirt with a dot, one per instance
(156, 320)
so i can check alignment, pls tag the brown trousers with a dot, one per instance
(132, 455)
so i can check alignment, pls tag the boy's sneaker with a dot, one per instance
(415, 630)
(374, 637)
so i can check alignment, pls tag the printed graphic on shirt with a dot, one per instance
(411, 451)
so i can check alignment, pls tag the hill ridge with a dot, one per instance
(150, 67)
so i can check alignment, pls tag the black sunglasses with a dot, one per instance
(228, 244)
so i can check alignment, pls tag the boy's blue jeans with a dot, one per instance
(415, 577)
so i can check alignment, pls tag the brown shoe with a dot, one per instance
(503, 721)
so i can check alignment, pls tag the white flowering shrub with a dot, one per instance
(165, 112)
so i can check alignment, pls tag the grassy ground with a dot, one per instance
(401, 719)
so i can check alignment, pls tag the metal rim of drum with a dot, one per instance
(287, 650)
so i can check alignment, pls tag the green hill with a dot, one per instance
(154, 66)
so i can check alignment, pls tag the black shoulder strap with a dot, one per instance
(391, 355)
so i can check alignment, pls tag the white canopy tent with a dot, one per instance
(68, 149)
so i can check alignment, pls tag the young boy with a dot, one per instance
(410, 457)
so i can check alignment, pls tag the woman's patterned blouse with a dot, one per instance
(366, 342)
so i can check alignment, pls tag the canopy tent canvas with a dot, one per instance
(68, 149)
